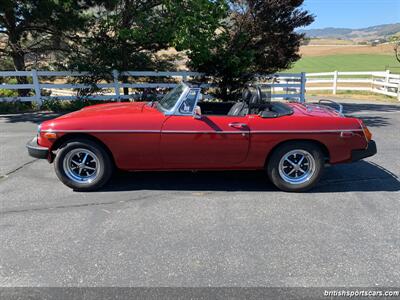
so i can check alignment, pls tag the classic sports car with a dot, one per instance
(291, 141)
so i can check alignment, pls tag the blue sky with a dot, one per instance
(353, 13)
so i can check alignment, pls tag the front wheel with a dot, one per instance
(296, 167)
(83, 165)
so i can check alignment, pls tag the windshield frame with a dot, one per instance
(172, 110)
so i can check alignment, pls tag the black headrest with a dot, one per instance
(265, 94)
(246, 95)
(255, 95)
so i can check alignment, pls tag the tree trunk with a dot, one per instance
(125, 65)
(224, 93)
(19, 65)
(126, 19)
(17, 54)
(223, 90)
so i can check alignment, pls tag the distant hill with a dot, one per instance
(362, 34)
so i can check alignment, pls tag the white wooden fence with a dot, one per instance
(383, 83)
(285, 86)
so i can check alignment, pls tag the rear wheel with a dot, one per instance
(83, 165)
(296, 167)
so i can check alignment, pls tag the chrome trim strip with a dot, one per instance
(306, 131)
(205, 132)
(192, 131)
(103, 130)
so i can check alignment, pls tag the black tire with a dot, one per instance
(310, 181)
(104, 171)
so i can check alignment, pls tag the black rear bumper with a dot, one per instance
(36, 150)
(363, 153)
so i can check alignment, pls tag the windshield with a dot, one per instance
(170, 99)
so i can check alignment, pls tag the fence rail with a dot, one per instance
(287, 86)
(378, 82)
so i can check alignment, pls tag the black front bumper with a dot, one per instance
(37, 151)
(363, 153)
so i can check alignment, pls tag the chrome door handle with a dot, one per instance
(238, 125)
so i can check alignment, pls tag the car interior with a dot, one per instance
(255, 100)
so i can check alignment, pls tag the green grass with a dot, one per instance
(345, 63)
(356, 95)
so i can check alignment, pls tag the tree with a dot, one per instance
(127, 34)
(258, 37)
(35, 28)
(228, 39)
(396, 41)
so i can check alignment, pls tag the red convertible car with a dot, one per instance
(291, 141)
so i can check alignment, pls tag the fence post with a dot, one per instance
(303, 87)
(36, 85)
(387, 78)
(398, 91)
(116, 84)
(287, 89)
(335, 79)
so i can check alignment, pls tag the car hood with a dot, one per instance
(110, 116)
(120, 108)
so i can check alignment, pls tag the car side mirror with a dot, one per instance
(197, 112)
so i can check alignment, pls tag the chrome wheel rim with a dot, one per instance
(297, 166)
(81, 165)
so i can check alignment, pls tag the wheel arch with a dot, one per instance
(80, 136)
(321, 145)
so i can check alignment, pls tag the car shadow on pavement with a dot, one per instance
(370, 113)
(31, 117)
(349, 108)
(367, 111)
(361, 176)
(375, 121)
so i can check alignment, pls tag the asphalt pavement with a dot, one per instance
(204, 228)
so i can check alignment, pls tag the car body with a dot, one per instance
(173, 134)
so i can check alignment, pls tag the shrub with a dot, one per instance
(56, 105)
(17, 107)
(53, 105)
(8, 93)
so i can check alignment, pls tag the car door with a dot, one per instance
(203, 142)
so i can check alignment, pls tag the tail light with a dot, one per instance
(367, 133)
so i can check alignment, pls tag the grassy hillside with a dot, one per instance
(345, 62)
(369, 33)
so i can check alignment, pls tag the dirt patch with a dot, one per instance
(323, 50)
